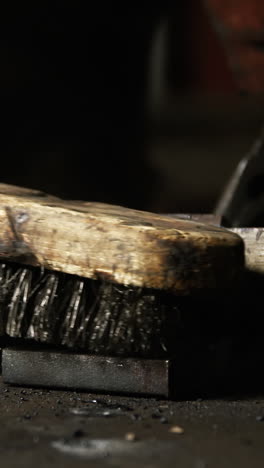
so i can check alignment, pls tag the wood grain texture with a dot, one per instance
(130, 247)
(253, 238)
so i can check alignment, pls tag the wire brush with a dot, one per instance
(104, 279)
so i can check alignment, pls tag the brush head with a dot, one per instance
(102, 318)
(101, 278)
(91, 315)
(116, 244)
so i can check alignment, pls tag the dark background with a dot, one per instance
(83, 117)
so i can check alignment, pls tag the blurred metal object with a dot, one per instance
(242, 203)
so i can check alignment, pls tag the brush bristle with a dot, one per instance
(94, 316)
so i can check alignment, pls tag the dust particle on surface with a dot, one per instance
(130, 436)
(176, 430)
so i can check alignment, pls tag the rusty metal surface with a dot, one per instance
(66, 370)
(47, 428)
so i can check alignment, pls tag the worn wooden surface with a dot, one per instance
(102, 241)
(253, 238)
(254, 247)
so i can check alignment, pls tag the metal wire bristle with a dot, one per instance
(93, 316)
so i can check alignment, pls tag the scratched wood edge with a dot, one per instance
(254, 247)
(253, 238)
(126, 246)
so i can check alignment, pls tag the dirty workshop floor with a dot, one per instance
(47, 428)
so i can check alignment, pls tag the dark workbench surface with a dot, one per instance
(40, 428)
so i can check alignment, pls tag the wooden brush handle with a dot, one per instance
(253, 238)
(126, 246)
